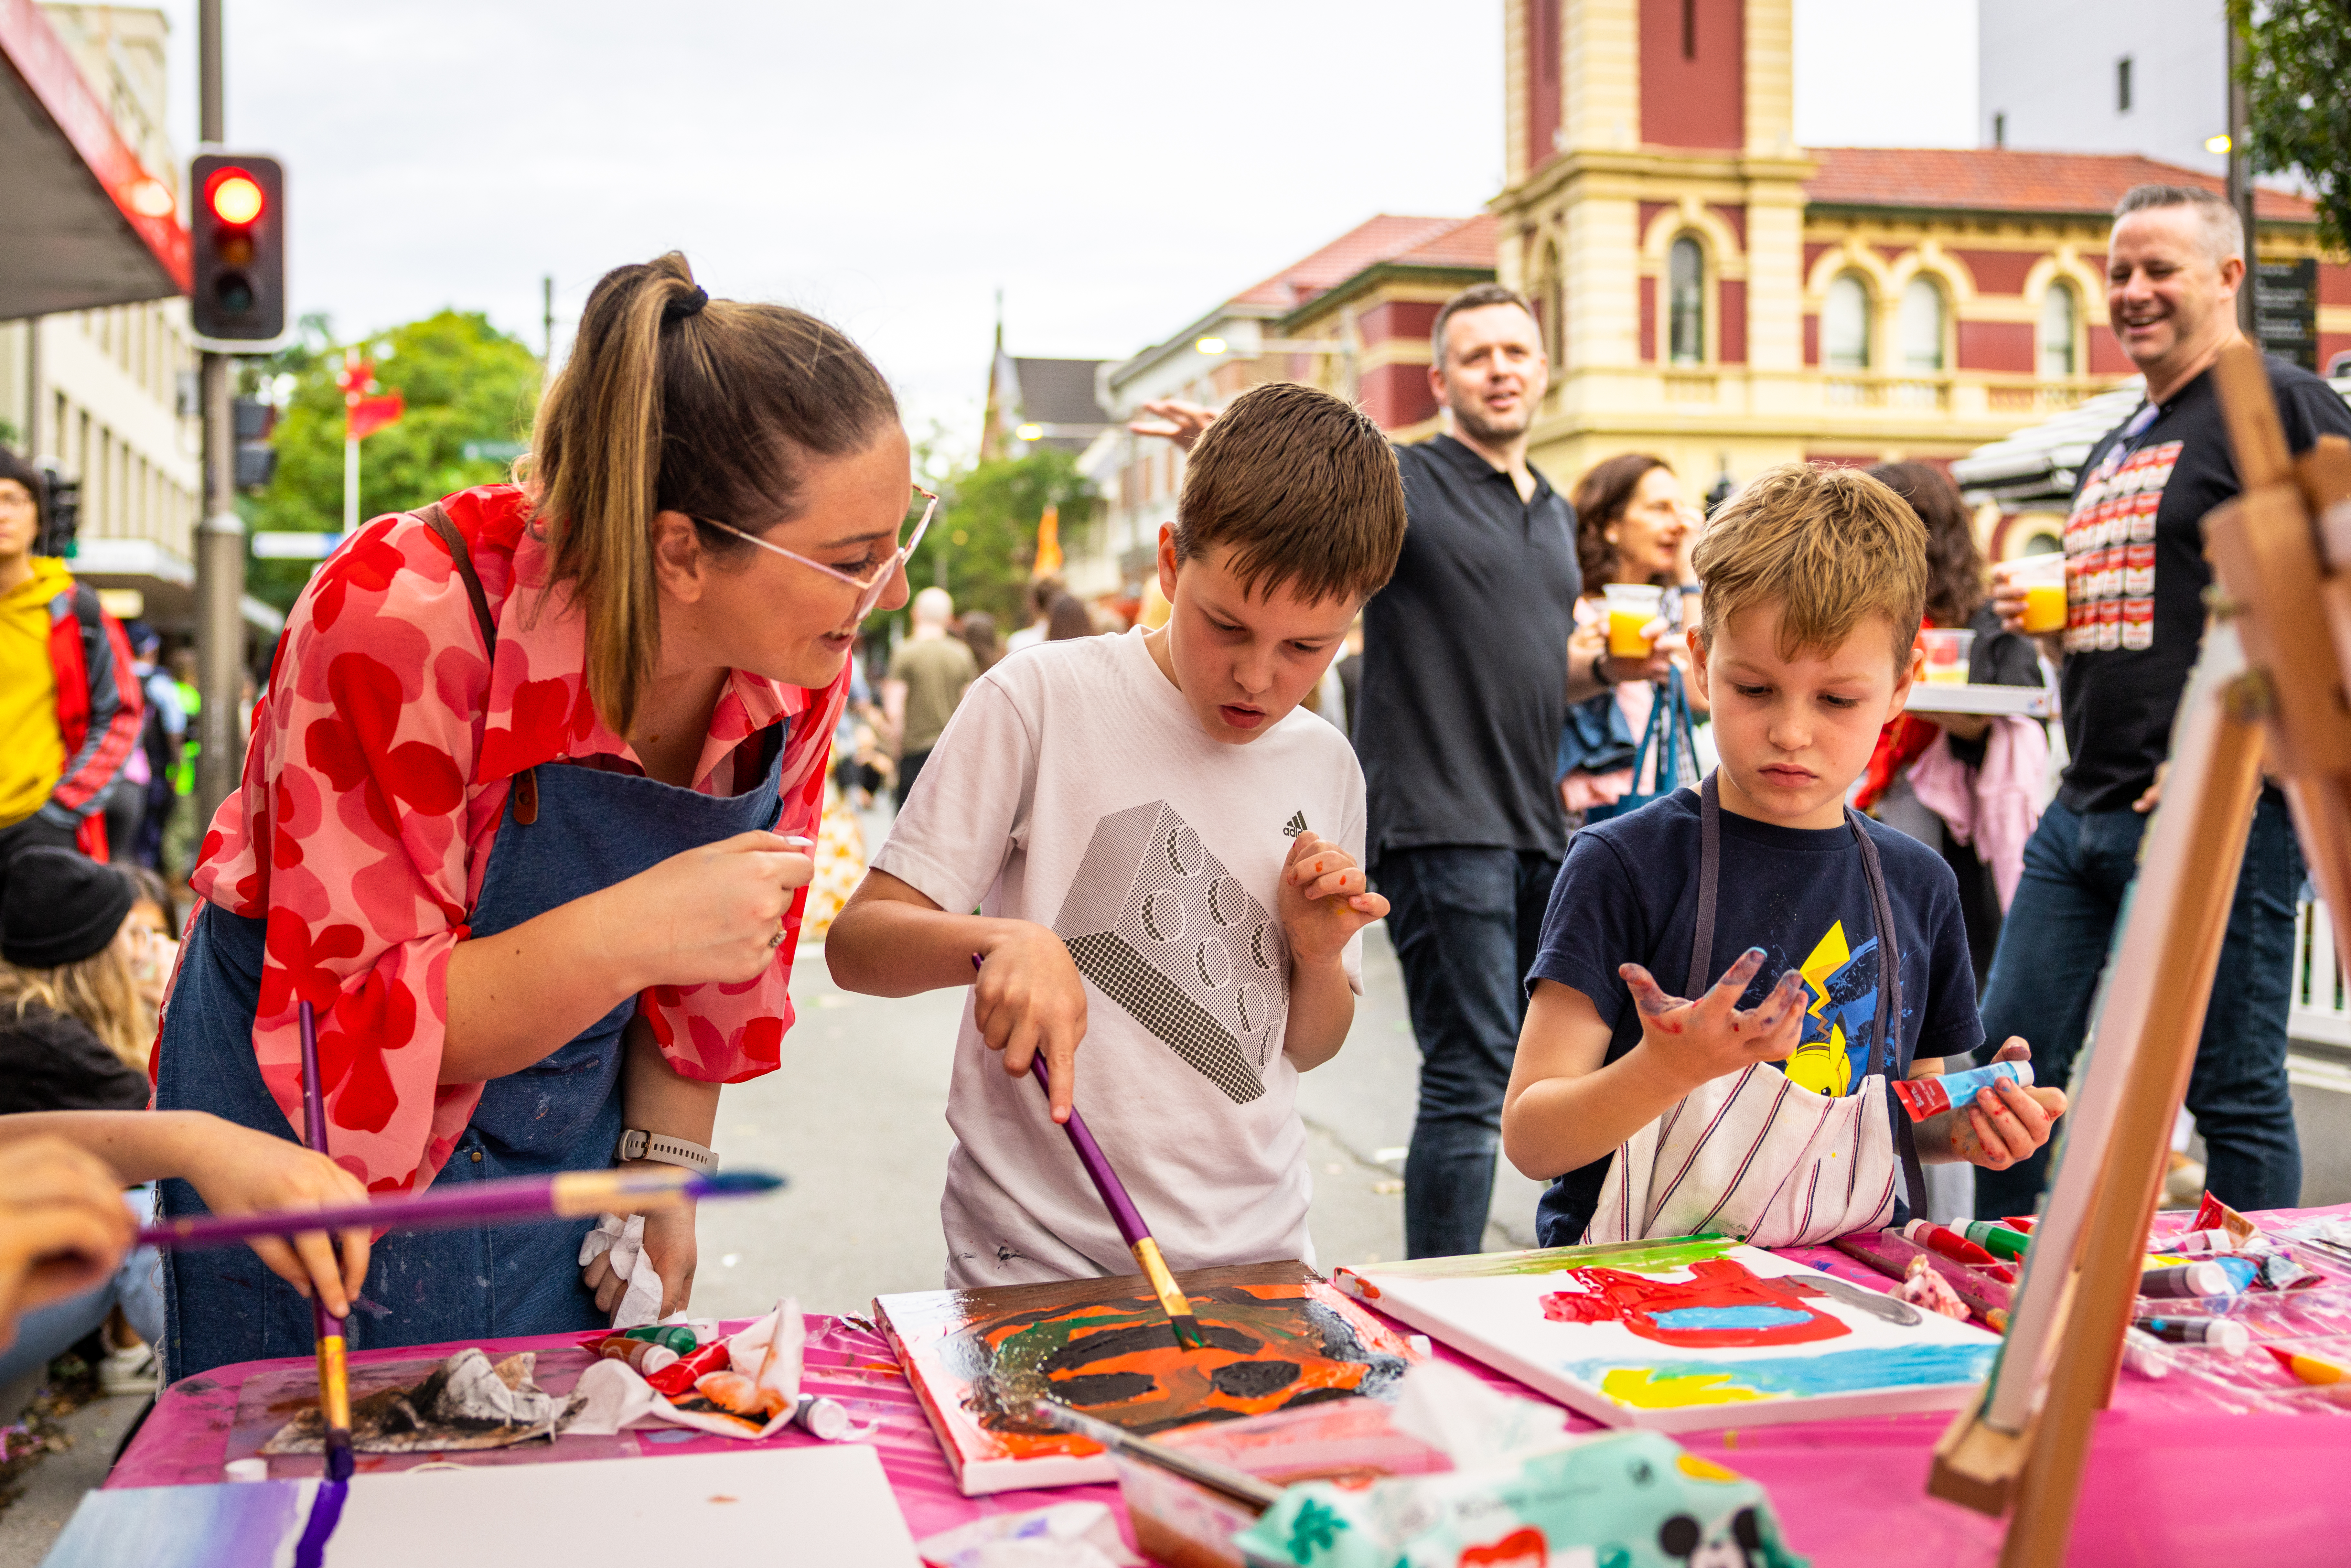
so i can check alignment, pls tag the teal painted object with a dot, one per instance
(1630, 1499)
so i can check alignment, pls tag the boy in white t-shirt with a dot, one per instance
(1164, 853)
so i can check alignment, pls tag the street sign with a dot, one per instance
(2285, 310)
(494, 451)
(295, 547)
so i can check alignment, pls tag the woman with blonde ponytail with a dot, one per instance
(526, 814)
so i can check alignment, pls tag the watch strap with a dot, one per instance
(636, 1144)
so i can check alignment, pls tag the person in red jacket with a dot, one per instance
(69, 703)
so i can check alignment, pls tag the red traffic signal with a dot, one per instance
(239, 229)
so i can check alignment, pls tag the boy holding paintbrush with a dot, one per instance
(1162, 852)
(1825, 954)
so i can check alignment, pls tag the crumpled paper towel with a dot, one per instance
(625, 1240)
(1473, 1422)
(1066, 1535)
(611, 1394)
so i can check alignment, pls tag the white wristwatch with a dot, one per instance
(636, 1144)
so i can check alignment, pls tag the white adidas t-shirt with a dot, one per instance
(1074, 788)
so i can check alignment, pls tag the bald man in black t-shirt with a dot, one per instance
(2136, 579)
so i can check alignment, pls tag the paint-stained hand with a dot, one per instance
(1029, 997)
(2007, 1121)
(714, 913)
(1323, 901)
(245, 1171)
(1695, 1042)
(63, 1226)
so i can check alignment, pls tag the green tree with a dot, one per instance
(983, 543)
(2297, 76)
(461, 378)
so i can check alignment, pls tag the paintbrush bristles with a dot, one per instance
(1172, 1300)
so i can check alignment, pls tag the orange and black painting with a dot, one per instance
(1278, 1338)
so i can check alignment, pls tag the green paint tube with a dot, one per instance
(669, 1336)
(1999, 1240)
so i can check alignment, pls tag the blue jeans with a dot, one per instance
(46, 1332)
(2052, 949)
(1465, 921)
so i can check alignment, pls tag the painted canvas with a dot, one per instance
(1685, 1333)
(828, 1506)
(1278, 1339)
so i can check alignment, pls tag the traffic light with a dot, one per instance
(64, 514)
(238, 226)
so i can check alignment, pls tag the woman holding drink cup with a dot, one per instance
(1632, 538)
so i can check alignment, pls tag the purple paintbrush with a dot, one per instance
(1122, 1212)
(334, 1373)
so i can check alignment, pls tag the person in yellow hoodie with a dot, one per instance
(69, 703)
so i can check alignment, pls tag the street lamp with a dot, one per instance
(1032, 431)
(1210, 345)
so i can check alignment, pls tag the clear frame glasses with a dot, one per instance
(869, 589)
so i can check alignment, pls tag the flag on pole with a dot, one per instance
(369, 415)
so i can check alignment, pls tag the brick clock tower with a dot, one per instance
(1654, 211)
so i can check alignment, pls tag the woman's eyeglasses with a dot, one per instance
(869, 589)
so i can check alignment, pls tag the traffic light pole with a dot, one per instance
(220, 536)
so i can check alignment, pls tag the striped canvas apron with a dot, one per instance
(1752, 1155)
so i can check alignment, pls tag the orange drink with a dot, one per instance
(2043, 578)
(1947, 654)
(1631, 606)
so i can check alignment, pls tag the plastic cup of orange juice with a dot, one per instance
(1631, 606)
(2043, 578)
(1947, 654)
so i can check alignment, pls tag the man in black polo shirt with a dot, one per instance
(2135, 575)
(1466, 679)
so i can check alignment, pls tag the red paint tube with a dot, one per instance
(677, 1379)
(1925, 1097)
(1942, 1239)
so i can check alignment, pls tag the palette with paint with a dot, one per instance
(1278, 1339)
(1685, 1333)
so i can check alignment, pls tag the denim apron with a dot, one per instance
(591, 829)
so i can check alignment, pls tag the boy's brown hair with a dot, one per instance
(1303, 487)
(1832, 545)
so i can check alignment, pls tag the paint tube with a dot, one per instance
(2314, 1369)
(819, 1416)
(677, 1337)
(643, 1356)
(2196, 1243)
(2279, 1272)
(1923, 1286)
(2146, 1354)
(2186, 1282)
(2216, 1333)
(1996, 1239)
(673, 1382)
(1925, 1097)
(2241, 1271)
(1942, 1239)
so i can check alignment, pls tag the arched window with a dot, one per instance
(1686, 297)
(1922, 325)
(2057, 317)
(1844, 324)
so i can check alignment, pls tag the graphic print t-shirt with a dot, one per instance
(1075, 788)
(1629, 893)
(2135, 575)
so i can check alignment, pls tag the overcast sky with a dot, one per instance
(1117, 170)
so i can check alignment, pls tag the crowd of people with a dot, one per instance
(1710, 860)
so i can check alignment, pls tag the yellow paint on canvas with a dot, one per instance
(1642, 1388)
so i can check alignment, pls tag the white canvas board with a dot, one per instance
(1677, 1336)
(811, 1507)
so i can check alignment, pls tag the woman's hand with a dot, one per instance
(63, 1226)
(243, 1172)
(1698, 1042)
(1028, 998)
(2007, 1121)
(715, 912)
(671, 1249)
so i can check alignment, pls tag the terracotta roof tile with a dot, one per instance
(2000, 179)
(1469, 243)
(1381, 238)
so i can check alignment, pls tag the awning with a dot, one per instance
(87, 224)
(165, 580)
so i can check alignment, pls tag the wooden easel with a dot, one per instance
(2273, 670)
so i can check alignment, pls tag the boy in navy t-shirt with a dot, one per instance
(1760, 1108)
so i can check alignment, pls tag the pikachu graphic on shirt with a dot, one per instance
(1834, 1054)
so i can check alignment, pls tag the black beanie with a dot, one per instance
(60, 907)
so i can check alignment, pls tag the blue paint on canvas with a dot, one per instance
(1688, 1319)
(1832, 1372)
(251, 1524)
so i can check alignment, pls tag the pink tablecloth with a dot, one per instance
(2173, 1476)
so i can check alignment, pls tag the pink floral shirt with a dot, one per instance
(374, 783)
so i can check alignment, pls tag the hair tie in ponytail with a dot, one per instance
(685, 305)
